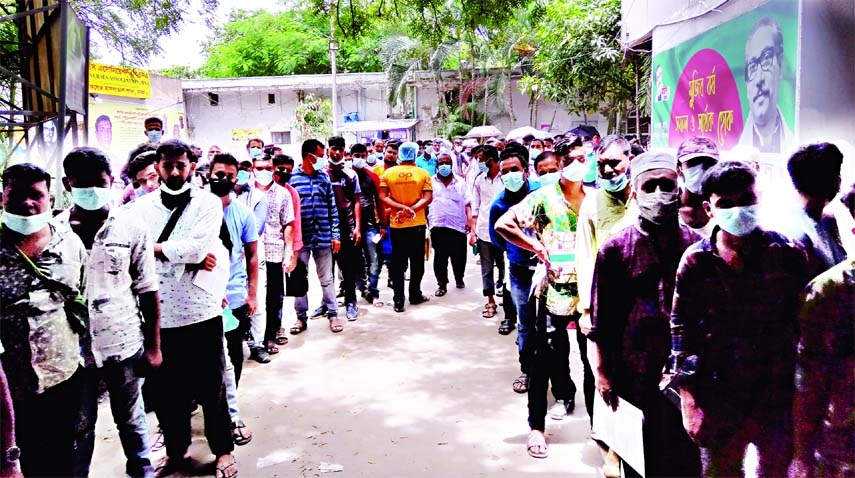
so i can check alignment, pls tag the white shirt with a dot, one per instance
(121, 266)
(280, 213)
(198, 229)
(484, 192)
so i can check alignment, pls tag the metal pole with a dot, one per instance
(333, 48)
(60, 120)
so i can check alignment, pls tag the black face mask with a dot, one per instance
(222, 187)
(281, 178)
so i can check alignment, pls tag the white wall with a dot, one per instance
(244, 105)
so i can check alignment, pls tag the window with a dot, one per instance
(213, 99)
(271, 98)
(281, 137)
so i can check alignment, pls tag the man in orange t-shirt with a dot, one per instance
(406, 190)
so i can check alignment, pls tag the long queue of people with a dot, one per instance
(657, 262)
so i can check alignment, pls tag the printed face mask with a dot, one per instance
(154, 135)
(90, 199)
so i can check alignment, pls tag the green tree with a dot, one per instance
(294, 41)
(134, 27)
(580, 62)
(314, 118)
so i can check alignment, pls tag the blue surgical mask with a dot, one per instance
(534, 153)
(319, 162)
(482, 167)
(26, 225)
(243, 177)
(348, 165)
(513, 181)
(693, 178)
(254, 153)
(549, 179)
(154, 135)
(575, 171)
(358, 163)
(264, 178)
(615, 184)
(444, 170)
(372, 159)
(739, 221)
(90, 199)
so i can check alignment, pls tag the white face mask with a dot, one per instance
(90, 199)
(575, 172)
(263, 177)
(175, 192)
(26, 225)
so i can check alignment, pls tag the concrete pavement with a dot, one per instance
(425, 393)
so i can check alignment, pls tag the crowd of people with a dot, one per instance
(722, 332)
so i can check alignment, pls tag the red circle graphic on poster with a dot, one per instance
(707, 102)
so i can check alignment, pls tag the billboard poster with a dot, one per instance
(119, 81)
(117, 127)
(735, 83)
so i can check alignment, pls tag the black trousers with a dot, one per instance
(588, 374)
(448, 244)
(275, 296)
(193, 368)
(235, 338)
(348, 260)
(550, 363)
(408, 247)
(45, 426)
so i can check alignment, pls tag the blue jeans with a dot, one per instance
(324, 267)
(126, 403)
(520, 287)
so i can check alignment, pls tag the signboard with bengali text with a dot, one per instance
(119, 81)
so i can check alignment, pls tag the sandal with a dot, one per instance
(335, 325)
(158, 441)
(241, 433)
(489, 311)
(506, 327)
(281, 338)
(521, 384)
(378, 303)
(536, 445)
(227, 470)
(271, 347)
(299, 326)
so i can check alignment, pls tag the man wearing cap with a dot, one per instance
(694, 157)
(630, 312)
(407, 191)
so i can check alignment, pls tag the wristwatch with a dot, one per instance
(13, 453)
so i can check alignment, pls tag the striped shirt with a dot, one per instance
(318, 212)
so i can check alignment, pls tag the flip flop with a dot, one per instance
(535, 442)
(489, 311)
(222, 471)
(335, 325)
(299, 326)
(520, 385)
(238, 435)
